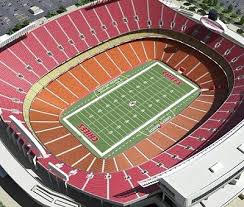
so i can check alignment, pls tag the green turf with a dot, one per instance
(128, 109)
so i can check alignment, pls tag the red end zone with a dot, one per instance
(172, 78)
(88, 133)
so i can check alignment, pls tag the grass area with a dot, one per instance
(129, 108)
(60, 10)
(82, 2)
(18, 27)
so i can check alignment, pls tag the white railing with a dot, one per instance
(95, 3)
(54, 199)
(31, 139)
(16, 35)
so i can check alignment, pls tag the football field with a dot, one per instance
(128, 109)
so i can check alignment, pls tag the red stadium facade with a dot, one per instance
(52, 44)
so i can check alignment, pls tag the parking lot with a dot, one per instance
(13, 12)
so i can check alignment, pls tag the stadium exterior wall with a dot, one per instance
(181, 183)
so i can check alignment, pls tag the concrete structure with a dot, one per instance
(218, 174)
(216, 169)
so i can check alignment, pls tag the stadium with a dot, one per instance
(123, 103)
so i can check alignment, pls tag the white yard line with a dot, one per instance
(110, 91)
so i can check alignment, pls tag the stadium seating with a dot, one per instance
(135, 155)
(54, 43)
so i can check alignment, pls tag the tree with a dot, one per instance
(209, 2)
(230, 8)
(204, 6)
(51, 14)
(238, 11)
(61, 9)
(82, 2)
(202, 12)
(242, 20)
(215, 2)
(233, 15)
(186, 4)
(192, 8)
(240, 31)
(25, 23)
